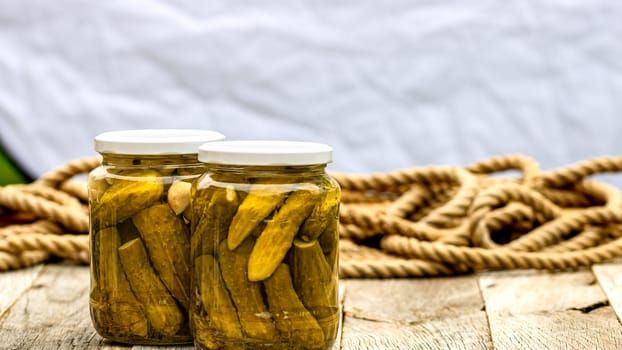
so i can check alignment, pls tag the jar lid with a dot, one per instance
(154, 141)
(265, 153)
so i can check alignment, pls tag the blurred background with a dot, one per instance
(389, 84)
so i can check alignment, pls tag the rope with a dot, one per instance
(69, 216)
(540, 220)
(47, 218)
(56, 177)
(424, 221)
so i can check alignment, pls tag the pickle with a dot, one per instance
(127, 231)
(178, 196)
(166, 239)
(328, 241)
(124, 198)
(123, 317)
(246, 295)
(162, 311)
(96, 187)
(214, 221)
(203, 333)
(316, 285)
(276, 239)
(215, 298)
(199, 200)
(291, 318)
(323, 212)
(260, 201)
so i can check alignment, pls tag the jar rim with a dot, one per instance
(154, 141)
(265, 153)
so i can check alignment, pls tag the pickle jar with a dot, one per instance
(140, 233)
(264, 246)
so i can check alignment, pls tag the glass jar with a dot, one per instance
(140, 234)
(264, 243)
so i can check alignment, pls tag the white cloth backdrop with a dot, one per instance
(389, 84)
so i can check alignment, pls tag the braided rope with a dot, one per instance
(393, 180)
(71, 217)
(75, 188)
(379, 264)
(459, 205)
(51, 218)
(566, 197)
(585, 239)
(528, 166)
(412, 200)
(425, 221)
(49, 193)
(27, 259)
(40, 226)
(554, 220)
(354, 232)
(71, 247)
(577, 172)
(361, 197)
(75, 167)
(480, 258)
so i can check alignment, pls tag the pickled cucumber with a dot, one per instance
(215, 298)
(323, 212)
(116, 306)
(246, 295)
(203, 333)
(328, 241)
(214, 221)
(127, 231)
(166, 239)
(260, 201)
(292, 319)
(125, 197)
(316, 284)
(162, 311)
(277, 237)
(97, 185)
(199, 200)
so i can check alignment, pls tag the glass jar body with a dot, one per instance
(264, 244)
(140, 245)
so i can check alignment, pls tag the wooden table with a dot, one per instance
(45, 307)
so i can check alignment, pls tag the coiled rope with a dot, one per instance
(424, 221)
(45, 219)
(431, 221)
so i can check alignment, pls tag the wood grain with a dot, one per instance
(53, 314)
(434, 313)
(610, 278)
(47, 308)
(13, 284)
(540, 310)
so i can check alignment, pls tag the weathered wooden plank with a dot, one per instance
(435, 313)
(13, 284)
(541, 310)
(53, 314)
(610, 278)
(112, 346)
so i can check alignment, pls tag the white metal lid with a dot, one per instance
(265, 153)
(154, 141)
